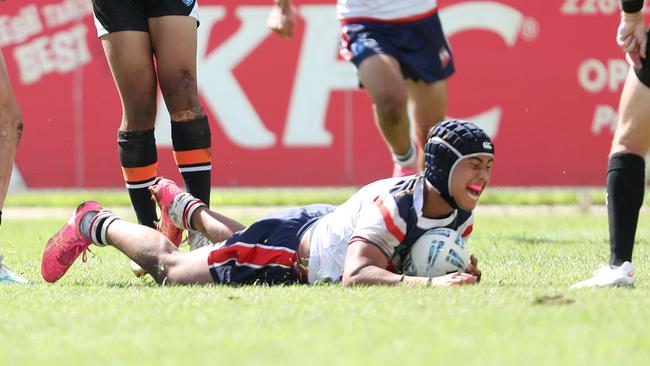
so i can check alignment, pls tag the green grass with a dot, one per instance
(300, 196)
(522, 313)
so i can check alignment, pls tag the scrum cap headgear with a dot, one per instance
(447, 144)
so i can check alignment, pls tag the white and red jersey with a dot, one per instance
(386, 213)
(349, 11)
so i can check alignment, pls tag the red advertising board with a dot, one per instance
(542, 77)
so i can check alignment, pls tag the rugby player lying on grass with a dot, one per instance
(359, 242)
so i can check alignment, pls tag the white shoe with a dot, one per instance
(7, 276)
(137, 270)
(606, 276)
(197, 239)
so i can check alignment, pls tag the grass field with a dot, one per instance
(522, 313)
(301, 196)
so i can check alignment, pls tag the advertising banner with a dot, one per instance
(542, 77)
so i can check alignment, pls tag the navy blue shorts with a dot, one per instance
(267, 251)
(419, 46)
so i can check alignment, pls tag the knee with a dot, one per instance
(176, 272)
(391, 107)
(175, 269)
(629, 140)
(139, 112)
(181, 95)
(166, 261)
(191, 114)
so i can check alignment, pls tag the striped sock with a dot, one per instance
(193, 154)
(139, 159)
(94, 225)
(182, 208)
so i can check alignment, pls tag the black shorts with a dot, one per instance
(133, 15)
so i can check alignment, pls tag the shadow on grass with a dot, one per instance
(536, 240)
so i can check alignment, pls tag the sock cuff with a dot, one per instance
(626, 161)
(408, 159)
(182, 208)
(138, 157)
(191, 135)
(99, 226)
(189, 211)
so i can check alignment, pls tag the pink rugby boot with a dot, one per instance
(66, 245)
(164, 191)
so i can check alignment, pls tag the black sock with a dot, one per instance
(193, 154)
(139, 160)
(625, 188)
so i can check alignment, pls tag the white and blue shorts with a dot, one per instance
(419, 46)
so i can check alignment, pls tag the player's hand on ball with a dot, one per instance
(454, 279)
(472, 268)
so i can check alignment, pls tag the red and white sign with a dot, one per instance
(542, 77)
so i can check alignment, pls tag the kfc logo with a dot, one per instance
(318, 73)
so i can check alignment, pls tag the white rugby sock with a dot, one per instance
(408, 159)
(182, 208)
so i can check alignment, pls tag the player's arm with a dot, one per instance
(365, 264)
(631, 35)
(282, 18)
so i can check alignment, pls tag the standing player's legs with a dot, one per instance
(625, 183)
(381, 76)
(427, 105)
(130, 57)
(626, 170)
(174, 43)
(11, 128)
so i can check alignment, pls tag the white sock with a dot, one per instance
(408, 159)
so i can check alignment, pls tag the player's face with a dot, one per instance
(469, 179)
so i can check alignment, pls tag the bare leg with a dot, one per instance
(214, 226)
(130, 57)
(382, 77)
(158, 256)
(428, 106)
(633, 130)
(11, 127)
(174, 42)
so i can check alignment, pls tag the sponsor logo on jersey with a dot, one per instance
(188, 2)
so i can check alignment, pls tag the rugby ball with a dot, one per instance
(437, 253)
